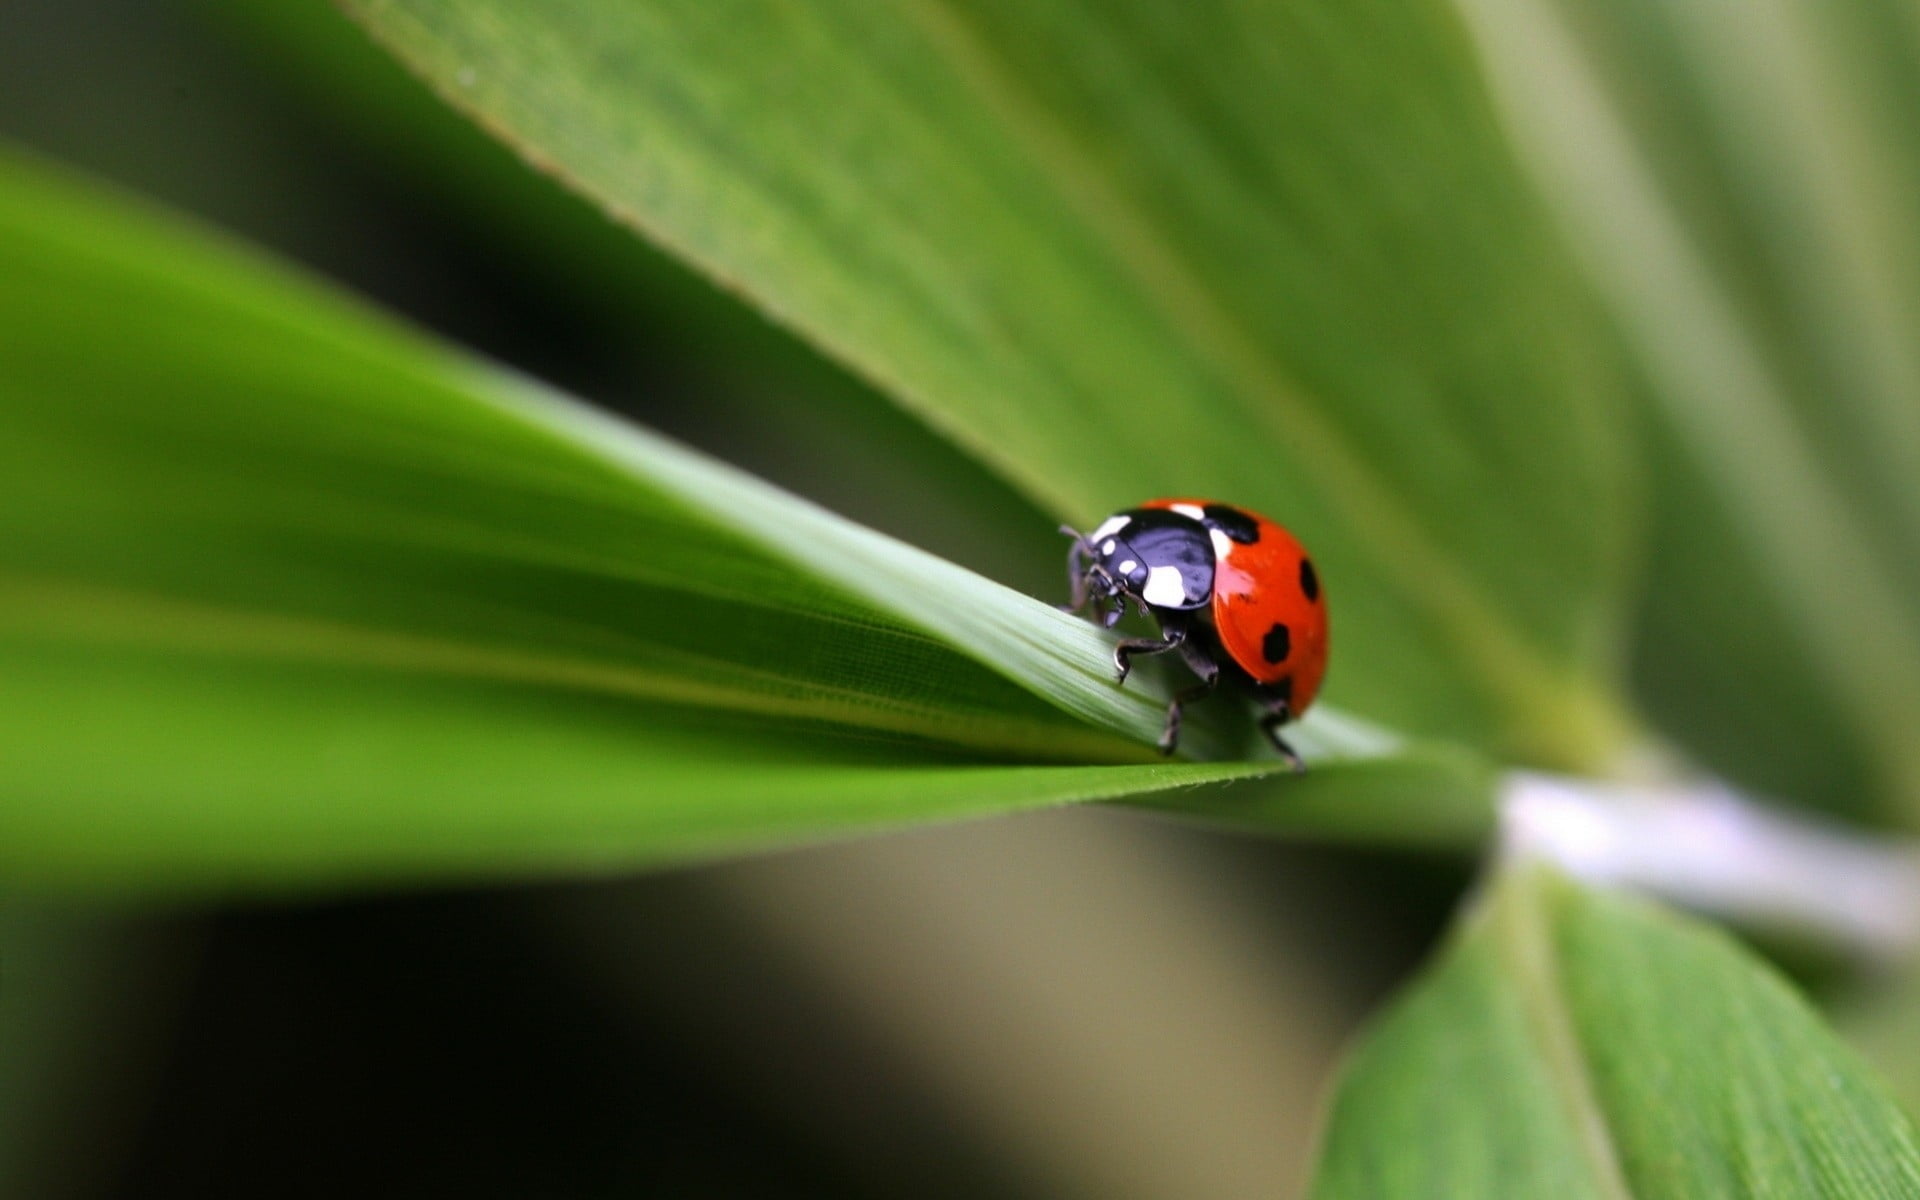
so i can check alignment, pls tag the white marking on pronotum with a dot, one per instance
(1164, 587)
(1222, 544)
(1188, 510)
(1109, 527)
(1126, 568)
(1106, 547)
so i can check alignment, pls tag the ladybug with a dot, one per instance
(1232, 591)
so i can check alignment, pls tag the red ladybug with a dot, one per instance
(1232, 591)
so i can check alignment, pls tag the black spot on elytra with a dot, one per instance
(1238, 526)
(1278, 643)
(1309, 579)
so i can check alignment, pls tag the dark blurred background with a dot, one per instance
(1086, 1003)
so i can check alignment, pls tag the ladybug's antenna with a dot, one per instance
(1077, 571)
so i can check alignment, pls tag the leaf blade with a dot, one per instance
(267, 517)
(1106, 253)
(1593, 1045)
(1730, 184)
(383, 782)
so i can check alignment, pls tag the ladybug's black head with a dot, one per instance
(1096, 583)
(1153, 557)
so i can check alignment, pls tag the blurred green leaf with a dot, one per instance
(1577, 1044)
(666, 347)
(784, 411)
(1742, 180)
(1273, 254)
(1721, 665)
(289, 595)
(1879, 1015)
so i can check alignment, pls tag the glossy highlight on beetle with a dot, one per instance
(1231, 590)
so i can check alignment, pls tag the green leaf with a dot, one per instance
(1879, 1015)
(1277, 255)
(1579, 1044)
(787, 414)
(168, 771)
(289, 595)
(1741, 183)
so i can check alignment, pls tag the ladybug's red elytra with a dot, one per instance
(1233, 592)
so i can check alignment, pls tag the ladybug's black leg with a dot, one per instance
(1171, 635)
(1279, 712)
(1202, 664)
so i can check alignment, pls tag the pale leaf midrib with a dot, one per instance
(1528, 953)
